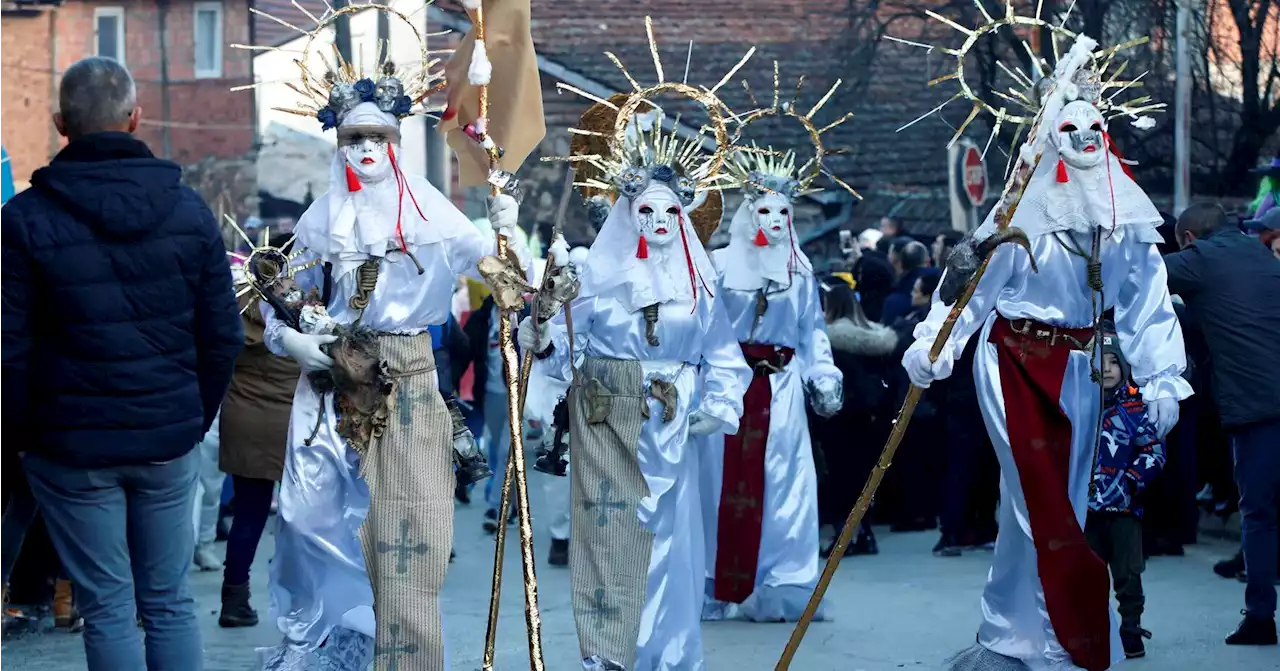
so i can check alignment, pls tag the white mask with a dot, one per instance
(771, 213)
(657, 215)
(368, 152)
(1079, 135)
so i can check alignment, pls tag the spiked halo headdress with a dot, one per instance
(1097, 81)
(331, 94)
(758, 170)
(623, 143)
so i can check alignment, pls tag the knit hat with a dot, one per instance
(1111, 345)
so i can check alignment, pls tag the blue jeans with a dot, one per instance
(125, 538)
(1257, 458)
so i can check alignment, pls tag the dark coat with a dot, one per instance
(477, 330)
(120, 323)
(253, 431)
(1231, 286)
(1130, 454)
(898, 303)
(452, 352)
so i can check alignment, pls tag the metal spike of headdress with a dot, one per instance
(622, 142)
(341, 86)
(759, 170)
(265, 265)
(1020, 104)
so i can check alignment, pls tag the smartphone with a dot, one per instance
(846, 242)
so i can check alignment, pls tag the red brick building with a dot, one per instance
(183, 79)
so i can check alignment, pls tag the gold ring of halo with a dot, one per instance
(715, 110)
(813, 168)
(1009, 20)
(422, 78)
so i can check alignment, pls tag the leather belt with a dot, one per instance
(766, 359)
(1075, 338)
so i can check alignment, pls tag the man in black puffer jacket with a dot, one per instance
(121, 330)
(1230, 282)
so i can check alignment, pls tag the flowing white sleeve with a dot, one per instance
(557, 363)
(725, 374)
(308, 279)
(1149, 333)
(997, 275)
(470, 245)
(815, 347)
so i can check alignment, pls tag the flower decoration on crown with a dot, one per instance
(330, 96)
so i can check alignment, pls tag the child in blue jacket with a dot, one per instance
(1130, 453)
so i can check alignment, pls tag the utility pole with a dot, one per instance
(166, 141)
(1182, 112)
(342, 32)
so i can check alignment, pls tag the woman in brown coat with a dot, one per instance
(254, 428)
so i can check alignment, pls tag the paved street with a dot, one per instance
(901, 609)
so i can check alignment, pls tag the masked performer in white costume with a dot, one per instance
(1093, 237)
(366, 499)
(645, 319)
(760, 496)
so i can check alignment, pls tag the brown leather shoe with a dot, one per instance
(65, 615)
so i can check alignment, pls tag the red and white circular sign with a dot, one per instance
(974, 172)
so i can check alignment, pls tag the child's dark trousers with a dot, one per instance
(1117, 539)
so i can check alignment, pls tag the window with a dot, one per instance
(108, 32)
(208, 39)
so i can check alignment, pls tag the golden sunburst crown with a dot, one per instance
(762, 169)
(1099, 81)
(623, 142)
(630, 131)
(265, 264)
(328, 86)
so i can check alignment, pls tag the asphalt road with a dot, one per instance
(901, 609)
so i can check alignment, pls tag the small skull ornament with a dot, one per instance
(387, 93)
(632, 181)
(342, 99)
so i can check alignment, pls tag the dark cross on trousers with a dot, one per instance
(403, 548)
(604, 504)
(393, 650)
(601, 610)
(406, 401)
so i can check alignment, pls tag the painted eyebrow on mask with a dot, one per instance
(357, 134)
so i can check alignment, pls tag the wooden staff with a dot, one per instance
(516, 462)
(500, 541)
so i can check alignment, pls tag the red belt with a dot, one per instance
(766, 359)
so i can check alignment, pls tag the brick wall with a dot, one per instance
(26, 88)
(205, 119)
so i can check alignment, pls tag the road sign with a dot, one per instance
(974, 174)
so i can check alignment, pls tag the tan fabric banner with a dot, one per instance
(515, 92)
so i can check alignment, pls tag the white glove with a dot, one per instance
(305, 349)
(923, 373)
(1163, 413)
(504, 212)
(828, 396)
(530, 336)
(703, 424)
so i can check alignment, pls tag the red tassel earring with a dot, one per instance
(1062, 172)
(761, 240)
(353, 182)
(642, 248)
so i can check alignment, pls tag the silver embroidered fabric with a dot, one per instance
(343, 650)
(978, 658)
